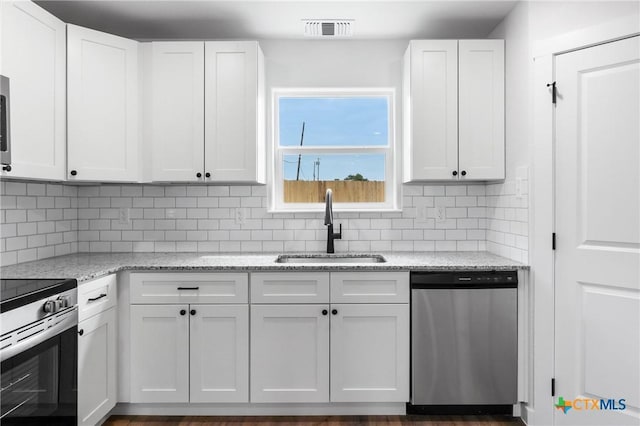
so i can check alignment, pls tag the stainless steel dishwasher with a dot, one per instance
(464, 339)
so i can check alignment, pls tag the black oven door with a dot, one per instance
(39, 385)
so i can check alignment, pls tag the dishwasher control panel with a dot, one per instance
(464, 279)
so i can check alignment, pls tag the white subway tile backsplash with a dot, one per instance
(51, 219)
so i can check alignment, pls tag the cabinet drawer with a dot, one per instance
(96, 296)
(290, 287)
(170, 287)
(370, 287)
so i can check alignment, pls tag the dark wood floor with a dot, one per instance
(315, 421)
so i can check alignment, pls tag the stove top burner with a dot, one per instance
(19, 292)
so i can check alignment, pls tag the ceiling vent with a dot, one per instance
(328, 27)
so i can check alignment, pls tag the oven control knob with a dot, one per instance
(64, 301)
(50, 306)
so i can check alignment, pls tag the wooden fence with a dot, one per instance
(344, 191)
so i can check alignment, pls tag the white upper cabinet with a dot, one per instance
(234, 120)
(431, 110)
(103, 114)
(454, 110)
(481, 109)
(177, 111)
(33, 57)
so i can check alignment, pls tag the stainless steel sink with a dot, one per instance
(334, 258)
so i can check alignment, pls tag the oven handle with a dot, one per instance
(54, 325)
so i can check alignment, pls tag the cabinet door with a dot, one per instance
(177, 111)
(234, 123)
(289, 353)
(33, 57)
(102, 73)
(159, 353)
(219, 353)
(96, 367)
(481, 113)
(370, 353)
(432, 131)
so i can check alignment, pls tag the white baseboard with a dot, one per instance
(338, 409)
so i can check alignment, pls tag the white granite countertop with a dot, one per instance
(86, 266)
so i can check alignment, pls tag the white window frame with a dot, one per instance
(278, 152)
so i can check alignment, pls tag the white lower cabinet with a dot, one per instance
(219, 356)
(159, 353)
(289, 353)
(331, 352)
(97, 350)
(189, 353)
(96, 367)
(369, 353)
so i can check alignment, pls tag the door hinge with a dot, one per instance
(553, 241)
(553, 387)
(553, 92)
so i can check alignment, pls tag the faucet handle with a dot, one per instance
(338, 235)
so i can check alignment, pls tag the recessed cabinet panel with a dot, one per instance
(369, 353)
(177, 111)
(290, 287)
(167, 287)
(159, 353)
(481, 113)
(34, 58)
(96, 367)
(433, 110)
(219, 353)
(370, 287)
(289, 353)
(234, 122)
(103, 116)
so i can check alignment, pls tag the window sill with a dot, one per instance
(335, 210)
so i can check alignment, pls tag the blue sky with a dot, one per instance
(334, 122)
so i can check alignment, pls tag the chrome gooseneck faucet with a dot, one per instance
(328, 220)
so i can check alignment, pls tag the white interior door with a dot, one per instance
(597, 334)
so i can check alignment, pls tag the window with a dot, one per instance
(338, 139)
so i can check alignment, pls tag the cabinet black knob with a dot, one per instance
(193, 312)
(455, 173)
(334, 312)
(183, 312)
(325, 312)
(463, 173)
(207, 175)
(81, 332)
(74, 172)
(199, 175)
(6, 168)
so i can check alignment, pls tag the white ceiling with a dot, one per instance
(268, 19)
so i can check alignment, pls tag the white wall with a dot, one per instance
(552, 18)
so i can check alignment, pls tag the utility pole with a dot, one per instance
(300, 155)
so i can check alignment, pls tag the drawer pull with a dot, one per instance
(93, 299)
(188, 288)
